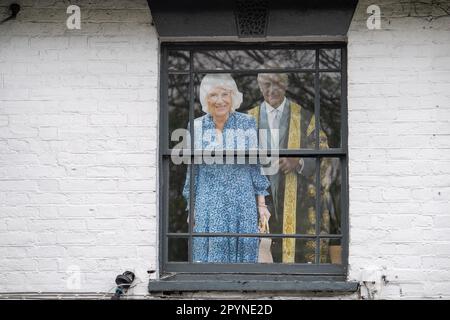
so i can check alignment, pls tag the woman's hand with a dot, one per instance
(193, 219)
(264, 216)
(264, 213)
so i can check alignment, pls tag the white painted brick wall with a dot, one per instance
(78, 148)
(78, 157)
(399, 147)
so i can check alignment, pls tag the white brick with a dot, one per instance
(17, 238)
(74, 225)
(17, 185)
(81, 185)
(17, 265)
(47, 252)
(4, 121)
(48, 212)
(110, 224)
(434, 262)
(47, 264)
(137, 185)
(48, 133)
(108, 119)
(442, 234)
(101, 251)
(75, 238)
(442, 221)
(422, 221)
(46, 238)
(48, 185)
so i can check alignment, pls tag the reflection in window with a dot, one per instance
(178, 60)
(178, 104)
(177, 205)
(178, 250)
(330, 58)
(330, 105)
(253, 59)
(330, 181)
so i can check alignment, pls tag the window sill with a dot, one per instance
(256, 283)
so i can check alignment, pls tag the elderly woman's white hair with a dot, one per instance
(223, 80)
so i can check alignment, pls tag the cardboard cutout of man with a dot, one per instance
(292, 188)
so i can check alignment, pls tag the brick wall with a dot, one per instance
(399, 149)
(78, 139)
(78, 148)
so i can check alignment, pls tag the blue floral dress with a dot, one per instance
(225, 193)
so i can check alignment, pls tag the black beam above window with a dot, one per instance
(258, 19)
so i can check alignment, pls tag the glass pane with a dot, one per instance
(330, 251)
(286, 102)
(178, 249)
(178, 60)
(291, 94)
(292, 197)
(291, 250)
(330, 196)
(178, 205)
(253, 59)
(225, 249)
(329, 58)
(330, 110)
(178, 104)
(246, 84)
(225, 202)
(230, 249)
(198, 110)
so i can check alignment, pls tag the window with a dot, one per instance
(294, 96)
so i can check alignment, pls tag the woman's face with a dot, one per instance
(219, 101)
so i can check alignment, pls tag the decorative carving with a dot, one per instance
(251, 17)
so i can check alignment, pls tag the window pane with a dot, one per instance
(286, 102)
(330, 180)
(253, 250)
(225, 250)
(291, 250)
(330, 251)
(253, 59)
(329, 58)
(292, 197)
(198, 110)
(330, 110)
(291, 93)
(246, 84)
(178, 213)
(292, 203)
(225, 202)
(178, 104)
(178, 249)
(178, 60)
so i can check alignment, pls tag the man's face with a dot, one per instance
(273, 88)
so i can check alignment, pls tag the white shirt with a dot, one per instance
(274, 120)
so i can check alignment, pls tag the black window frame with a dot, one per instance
(316, 270)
